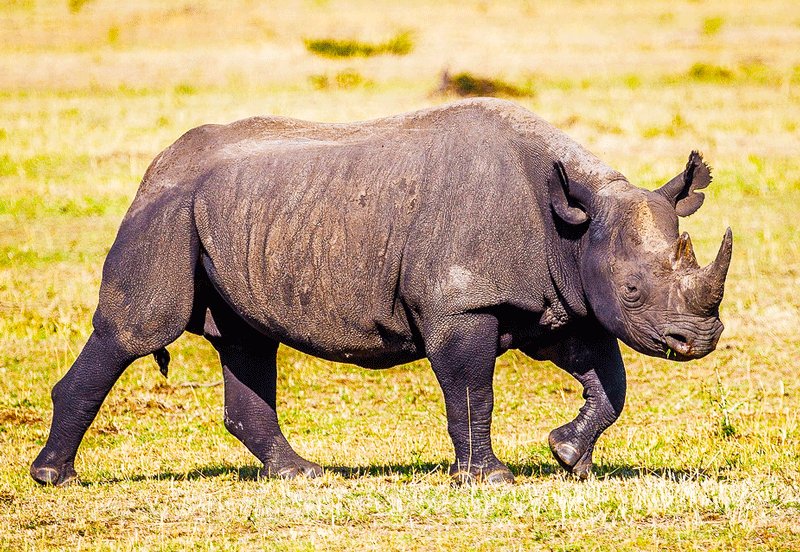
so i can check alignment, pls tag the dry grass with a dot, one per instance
(706, 455)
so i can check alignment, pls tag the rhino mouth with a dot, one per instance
(676, 347)
(679, 344)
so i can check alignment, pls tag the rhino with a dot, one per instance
(454, 233)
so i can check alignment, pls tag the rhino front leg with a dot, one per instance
(462, 352)
(249, 372)
(596, 362)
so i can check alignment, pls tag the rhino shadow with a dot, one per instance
(532, 470)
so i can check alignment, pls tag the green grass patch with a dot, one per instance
(75, 6)
(712, 25)
(399, 45)
(708, 72)
(748, 72)
(343, 80)
(466, 84)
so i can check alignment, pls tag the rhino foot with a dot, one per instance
(64, 476)
(291, 470)
(493, 475)
(566, 450)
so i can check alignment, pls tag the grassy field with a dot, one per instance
(706, 455)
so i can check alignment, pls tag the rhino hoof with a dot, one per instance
(292, 471)
(569, 457)
(583, 469)
(566, 454)
(497, 476)
(49, 476)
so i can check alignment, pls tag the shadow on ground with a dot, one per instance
(406, 472)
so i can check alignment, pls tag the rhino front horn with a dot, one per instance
(712, 277)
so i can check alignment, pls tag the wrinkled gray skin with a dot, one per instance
(453, 233)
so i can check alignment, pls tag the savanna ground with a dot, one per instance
(706, 455)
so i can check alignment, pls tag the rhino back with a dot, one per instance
(337, 238)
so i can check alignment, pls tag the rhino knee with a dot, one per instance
(137, 335)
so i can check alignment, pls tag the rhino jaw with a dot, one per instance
(680, 343)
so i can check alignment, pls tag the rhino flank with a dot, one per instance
(453, 233)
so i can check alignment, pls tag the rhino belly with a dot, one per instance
(319, 278)
(335, 326)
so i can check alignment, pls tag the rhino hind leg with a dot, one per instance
(462, 352)
(249, 372)
(146, 298)
(76, 399)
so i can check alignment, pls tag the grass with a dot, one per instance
(706, 455)
(399, 45)
(466, 84)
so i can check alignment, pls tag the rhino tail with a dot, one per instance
(162, 359)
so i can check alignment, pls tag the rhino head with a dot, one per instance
(640, 278)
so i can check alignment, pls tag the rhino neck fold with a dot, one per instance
(564, 299)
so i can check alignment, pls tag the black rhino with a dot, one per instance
(453, 233)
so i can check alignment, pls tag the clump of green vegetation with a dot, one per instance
(677, 126)
(466, 84)
(726, 427)
(76, 6)
(749, 71)
(399, 45)
(795, 77)
(185, 89)
(349, 79)
(113, 35)
(346, 80)
(758, 72)
(7, 165)
(632, 81)
(712, 25)
(707, 72)
(666, 17)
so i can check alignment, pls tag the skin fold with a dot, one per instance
(453, 233)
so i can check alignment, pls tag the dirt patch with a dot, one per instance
(19, 415)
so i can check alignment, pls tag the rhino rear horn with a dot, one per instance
(569, 199)
(684, 253)
(682, 192)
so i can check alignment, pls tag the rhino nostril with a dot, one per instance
(678, 337)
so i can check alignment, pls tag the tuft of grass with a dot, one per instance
(725, 408)
(185, 89)
(344, 80)
(708, 72)
(467, 84)
(795, 76)
(113, 35)
(399, 45)
(712, 25)
(633, 82)
(755, 71)
(75, 6)
(677, 126)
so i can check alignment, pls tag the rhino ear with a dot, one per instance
(568, 199)
(682, 192)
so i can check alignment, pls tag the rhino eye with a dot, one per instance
(631, 294)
